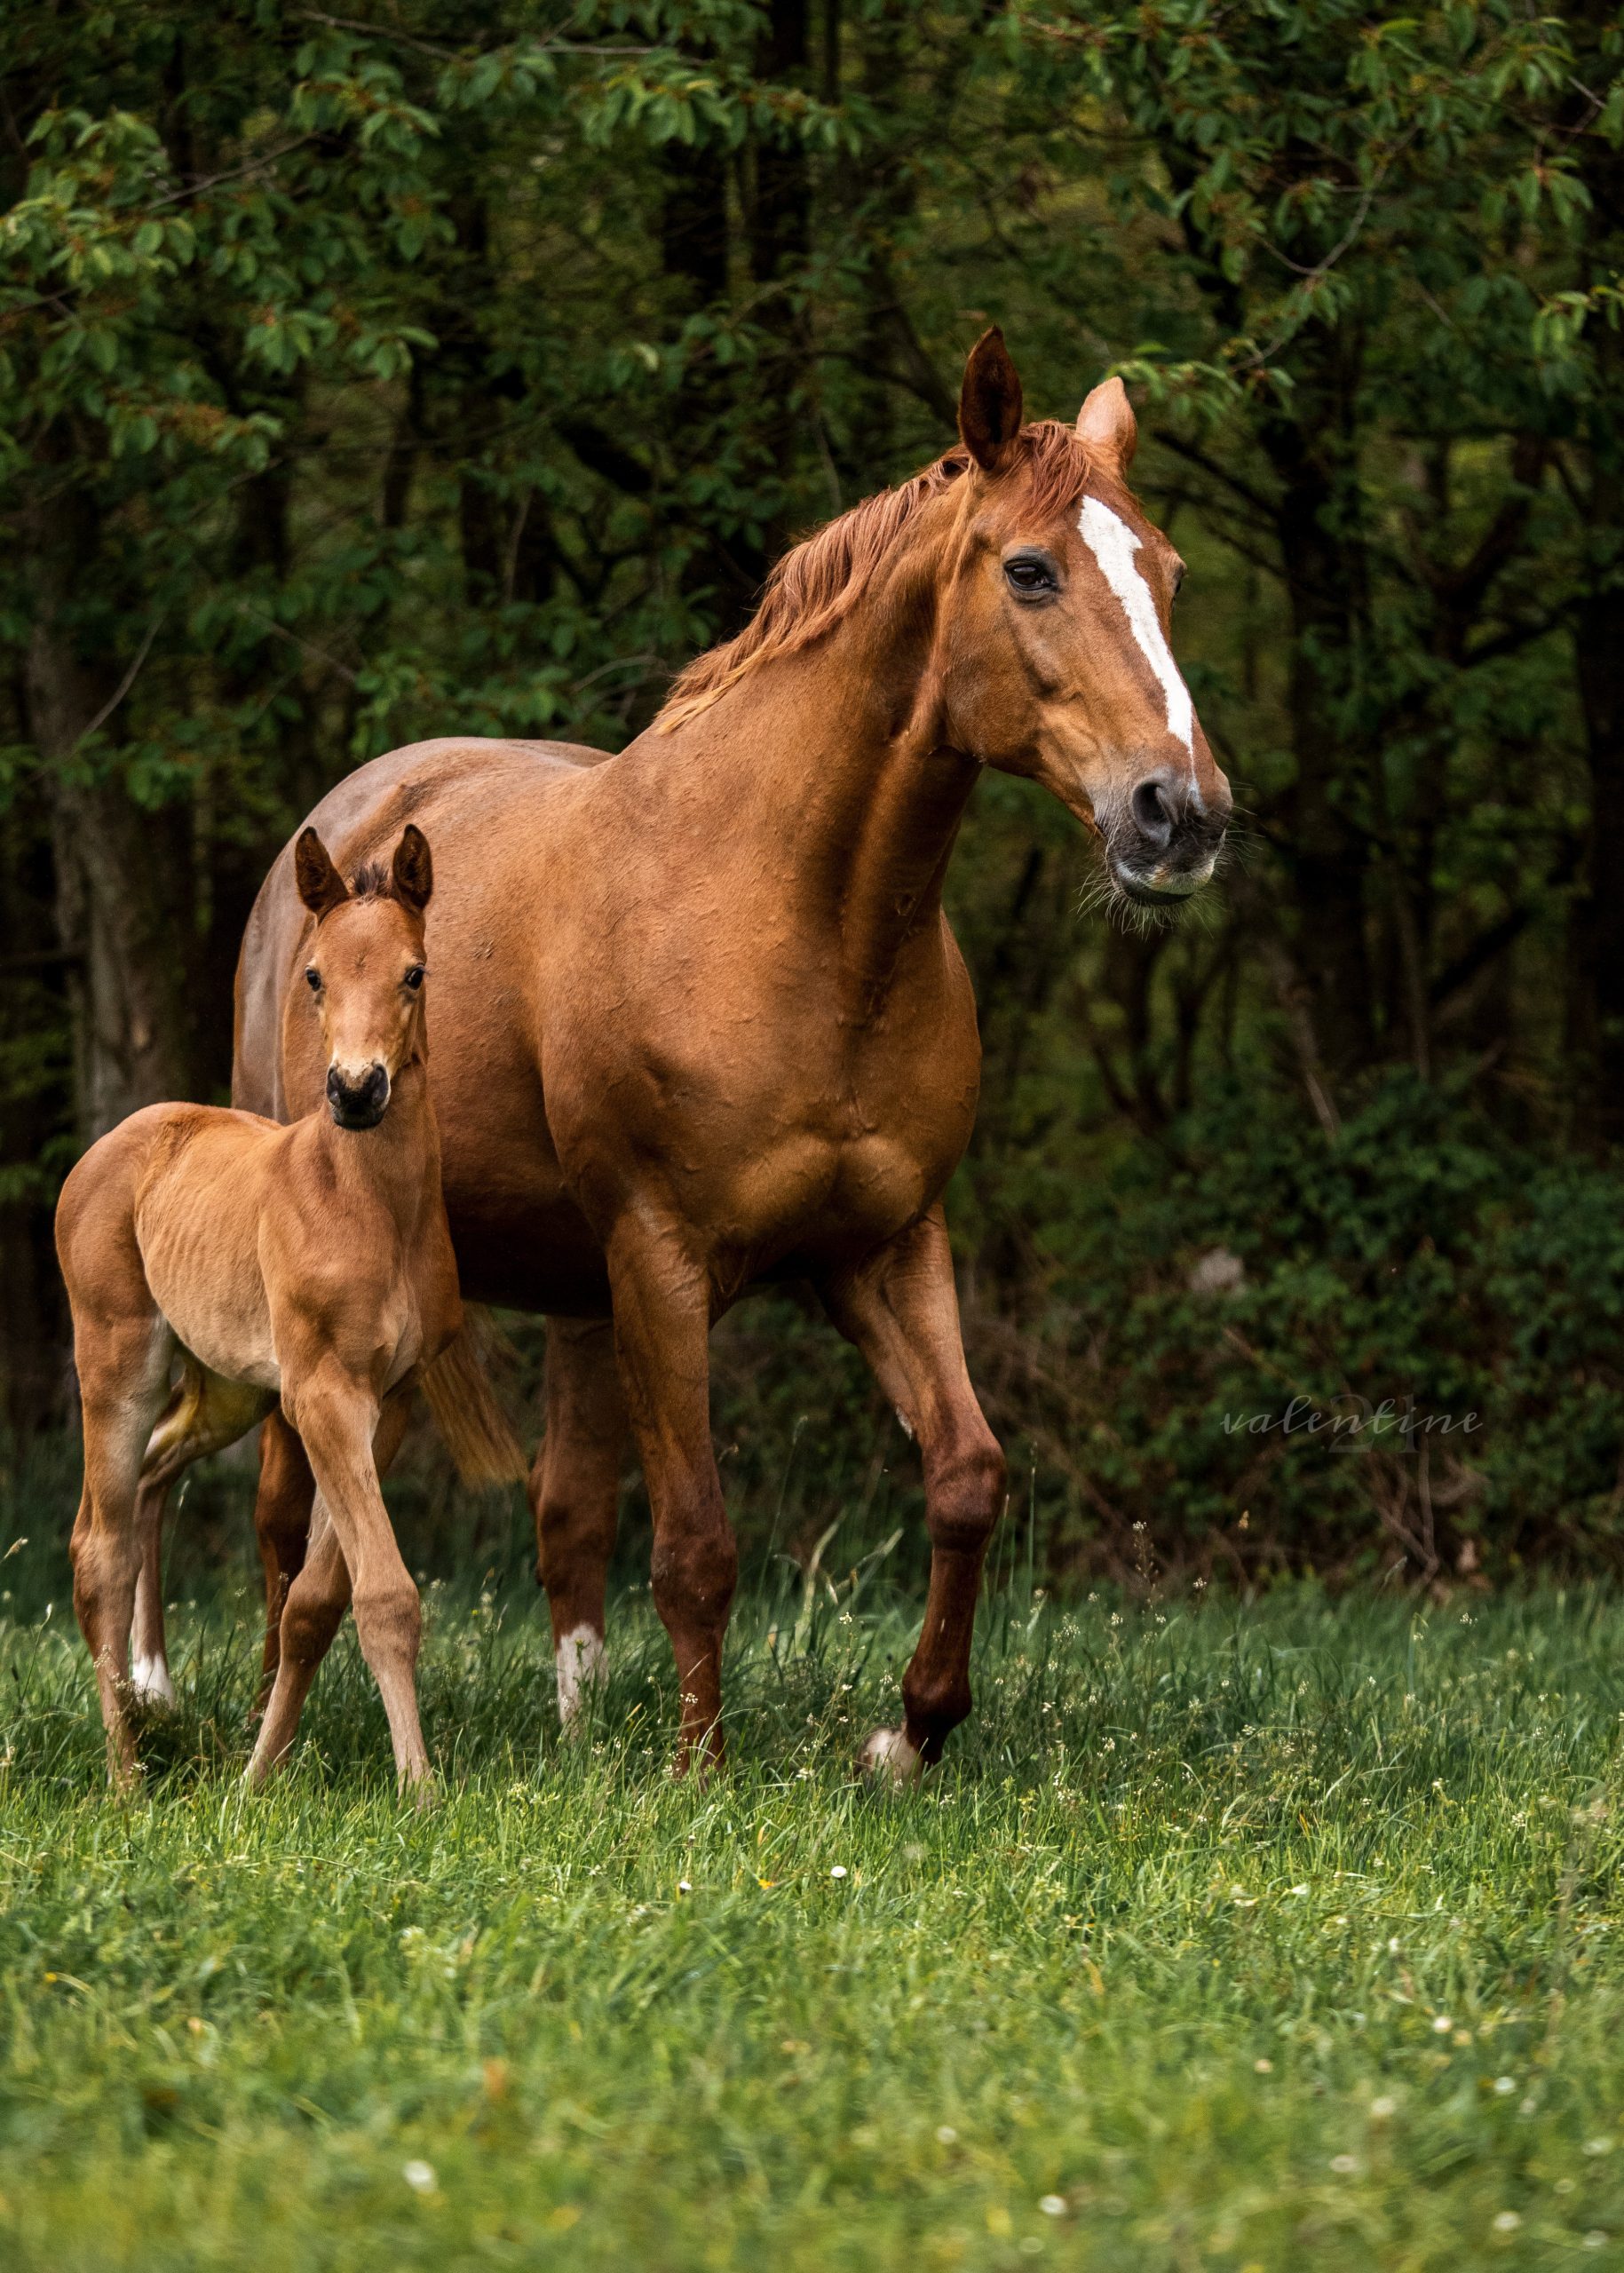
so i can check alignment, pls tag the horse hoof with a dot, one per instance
(890, 1759)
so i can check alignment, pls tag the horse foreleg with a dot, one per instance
(337, 1418)
(901, 1309)
(661, 1332)
(574, 1488)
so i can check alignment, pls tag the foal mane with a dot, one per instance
(816, 584)
(373, 880)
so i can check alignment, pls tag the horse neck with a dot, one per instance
(397, 1164)
(832, 771)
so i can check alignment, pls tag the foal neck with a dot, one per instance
(398, 1162)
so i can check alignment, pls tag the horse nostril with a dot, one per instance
(1152, 811)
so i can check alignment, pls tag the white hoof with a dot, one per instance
(890, 1758)
(149, 1677)
(579, 1661)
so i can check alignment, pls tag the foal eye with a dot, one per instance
(1031, 575)
(414, 977)
(312, 979)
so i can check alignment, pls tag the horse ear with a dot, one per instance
(1107, 424)
(990, 402)
(413, 875)
(322, 888)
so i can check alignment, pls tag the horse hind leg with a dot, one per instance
(575, 1489)
(902, 1310)
(204, 1414)
(124, 1371)
(282, 1521)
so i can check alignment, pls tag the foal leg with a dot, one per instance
(661, 1332)
(281, 1527)
(900, 1308)
(574, 1490)
(352, 1555)
(204, 1414)
(124, 1369)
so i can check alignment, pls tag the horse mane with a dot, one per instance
(817, 584)
(373, 880)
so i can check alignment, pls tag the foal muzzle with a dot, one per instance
(358, 1102)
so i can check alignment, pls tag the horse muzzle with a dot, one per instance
(358, 1100)
(1166, 845)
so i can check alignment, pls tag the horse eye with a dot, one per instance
(414, 976)
(312, 979)
(1178, 578)
(1030, 574)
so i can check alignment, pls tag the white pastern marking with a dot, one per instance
(150, 1677)
(889, 1756)
(579, 1660)
(1113, 545)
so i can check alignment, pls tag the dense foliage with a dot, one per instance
(366, 375)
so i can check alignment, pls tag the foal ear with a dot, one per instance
(322, 888)
(990, 402)
(1107, 424)
(413, 876)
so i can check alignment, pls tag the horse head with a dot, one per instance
(366, 970)
(1056, 633)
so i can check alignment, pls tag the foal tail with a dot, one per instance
(465, 1410)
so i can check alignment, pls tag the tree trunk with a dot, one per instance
(119, 887)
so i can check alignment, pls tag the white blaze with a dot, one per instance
(579, 1660)
(1113, 545)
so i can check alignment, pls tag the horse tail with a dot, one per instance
(465, 1406)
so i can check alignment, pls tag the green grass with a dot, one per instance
(1251, 1938)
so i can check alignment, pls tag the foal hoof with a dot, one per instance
(889, 1759)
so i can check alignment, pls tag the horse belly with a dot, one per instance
(200, 1251)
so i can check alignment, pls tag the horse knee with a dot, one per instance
(693, 1572)
(389, 1620)
(965, 1497)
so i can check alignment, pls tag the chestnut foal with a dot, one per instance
(310, 1264)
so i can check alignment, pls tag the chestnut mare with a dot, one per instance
(705, 1024)
(313, 1263)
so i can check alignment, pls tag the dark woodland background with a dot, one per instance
(364, 376)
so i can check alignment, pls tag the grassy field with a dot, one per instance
(1228, 1938)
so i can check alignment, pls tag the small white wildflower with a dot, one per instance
(838, 1872)
(1053, 2205)
(1505, 2086)
(1442, 2024)
(420, 2177)
(683, 1887)
(1393, 1945)
(1506, 2222)
(1299, 1889)
(1344, 2166)
(1598, 2146)
(946, 2135)
(1381, 2109)
(1263, 2067)
(1596, 2238)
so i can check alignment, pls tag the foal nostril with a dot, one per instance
(1153, 813)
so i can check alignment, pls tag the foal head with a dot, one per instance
(366, 970)
(1056, 630)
